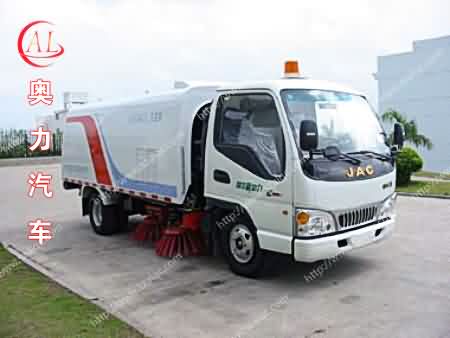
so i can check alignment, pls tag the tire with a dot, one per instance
(122, 216)
(104, 219)
(241, 249)
(123, 219)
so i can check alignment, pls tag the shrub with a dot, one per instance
(408, 162)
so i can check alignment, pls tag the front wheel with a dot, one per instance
(242, 250)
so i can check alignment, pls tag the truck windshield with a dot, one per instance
(343, 120)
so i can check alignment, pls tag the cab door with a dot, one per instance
(246, 163)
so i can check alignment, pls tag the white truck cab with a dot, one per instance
(294, 166)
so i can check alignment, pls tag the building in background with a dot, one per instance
(417, 84)
(55, 121)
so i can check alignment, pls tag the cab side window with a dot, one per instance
(248, 131)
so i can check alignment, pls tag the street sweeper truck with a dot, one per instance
(252, 170)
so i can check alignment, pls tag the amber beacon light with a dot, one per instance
(291, 69)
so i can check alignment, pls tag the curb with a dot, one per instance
(413, 194)
(429, 179)
(72, 287)
(18, 162)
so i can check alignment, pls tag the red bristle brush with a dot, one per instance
(184, 240)
(152, 226)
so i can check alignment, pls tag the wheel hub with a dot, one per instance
(97, 212)
(241, 243)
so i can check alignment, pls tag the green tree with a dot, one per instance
(408, 162)
(412, 134)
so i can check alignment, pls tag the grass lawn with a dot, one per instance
(31, 305)
(432, 174)
(435, 188)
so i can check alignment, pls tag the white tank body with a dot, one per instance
(140, 147)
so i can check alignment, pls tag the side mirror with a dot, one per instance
(399, 135)
(309, 137)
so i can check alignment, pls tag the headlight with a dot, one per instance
(314, 222)
(387, 209)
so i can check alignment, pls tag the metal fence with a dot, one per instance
(15, 143)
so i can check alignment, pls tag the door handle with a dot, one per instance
(221, 176)
(272, 193)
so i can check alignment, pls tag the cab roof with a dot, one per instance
(289, 83)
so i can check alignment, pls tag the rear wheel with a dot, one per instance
(242, 250)
(104, 219)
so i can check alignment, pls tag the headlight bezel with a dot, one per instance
(313, 228)
(387, 207)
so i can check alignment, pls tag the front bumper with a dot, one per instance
(311, 250)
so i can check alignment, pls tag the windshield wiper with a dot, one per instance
(333, 153)
(374, 154)
(352, 159)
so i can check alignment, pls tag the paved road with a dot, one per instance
(398, 288)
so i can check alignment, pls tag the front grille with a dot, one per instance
(355, 217)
